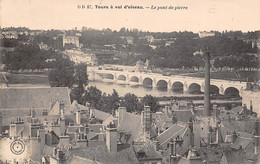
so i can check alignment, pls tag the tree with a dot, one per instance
(81, 76)
(63, 73)
(77, 94)
(109, 102)
(152, 102)
(131, 102)
(115, 100)
(61, 77)
(198, 61)
(80, 82)
(93, 96)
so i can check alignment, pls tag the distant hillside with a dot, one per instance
(231, 75)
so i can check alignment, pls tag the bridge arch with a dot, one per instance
(194, 88)
(214, 89)
(121, 77)
(162, 84)
(147, 82)
(231, 92)
(134, 79)
(177, 86)
(109, 76)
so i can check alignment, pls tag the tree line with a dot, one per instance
(108, 102)
(243, 62)
(177, 55)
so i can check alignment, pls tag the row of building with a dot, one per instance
(55, 130)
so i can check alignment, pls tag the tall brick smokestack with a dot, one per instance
(257, 136)
(207, 84)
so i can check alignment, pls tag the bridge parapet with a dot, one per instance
(170, 80)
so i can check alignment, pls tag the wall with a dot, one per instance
(248, 96)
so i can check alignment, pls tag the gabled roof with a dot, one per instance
(236, 110)
(254, 159)
(37, 98)
(96, 128)
(183, 115)
(47, 150)
(101, 154)
(162, 120)
(235, 156)
(92, 135)
(173, 131)
(76, 106)
(130, 123)
(148, 151)
(99, 114)
(242, 141)
(81, 160)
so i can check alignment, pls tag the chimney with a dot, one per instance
(257, 136)
(58, 155)
(191, 140)
(215, 111)
(32, 113)
(113, 112)
(248, 85)
(62, 113)
(78, 117)
(173, 147)
(194, 156)
(173, 156)
(156, 145)
(64, 141)
(209, 137)
(111, 139)
(192, 109)
(207, 85)
(174, 119)
(62, 105)
(42, 137)
(54, 152)
(218, 136)
(62, 126)
(147, 119)
(1, 123)
(87, 105)
(251, 107)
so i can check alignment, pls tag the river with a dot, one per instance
(139, 91)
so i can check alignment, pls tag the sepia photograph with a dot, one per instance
(129, 82)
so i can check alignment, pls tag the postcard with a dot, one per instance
(129, 81)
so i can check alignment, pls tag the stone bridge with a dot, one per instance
(175, 83)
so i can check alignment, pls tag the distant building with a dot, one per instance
(24, 33)
(152, 46)
(169, 43)
(203, 34)
(149, 38)
(43, 46)
(128, 39)
(35, 32)
(256, 42)
(74, 40)
(1, 36)
(79, 56)
(10, 34)
(250, 97)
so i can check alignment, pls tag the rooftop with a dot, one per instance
(37, 98)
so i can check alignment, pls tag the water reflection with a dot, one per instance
(138, 90)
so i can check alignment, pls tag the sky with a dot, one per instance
(200, 15)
